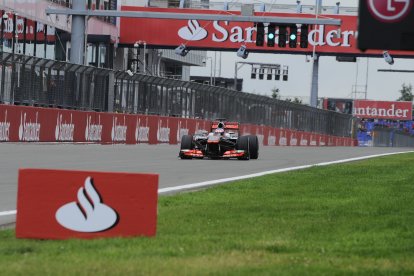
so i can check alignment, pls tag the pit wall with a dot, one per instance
(34, 124)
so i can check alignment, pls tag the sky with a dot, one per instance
(336, 79)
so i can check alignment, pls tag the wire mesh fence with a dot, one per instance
(27, 80)
(34, 81)
(388, 137)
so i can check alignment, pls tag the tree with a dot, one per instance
(275, 93)
(297, 100)
(406, 93)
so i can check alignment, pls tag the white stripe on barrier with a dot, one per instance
(223, 180)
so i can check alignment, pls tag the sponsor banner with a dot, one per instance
(69, 126)
(31, 28)
(32, 124)
(260, 133)
(382, 110)
(304, 138)
(246, 129)
(92, 128)
(142, 129)
(293, 138)
(180, 127)
(283, 137)
(322, 140)
(269, 136)
(230, 35)
(314, 139)
(57, 204)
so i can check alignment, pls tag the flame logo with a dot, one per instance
(89, 214)
(193, 31)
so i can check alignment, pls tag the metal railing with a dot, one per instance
(27, 80)
(41, 82)
(388, 137)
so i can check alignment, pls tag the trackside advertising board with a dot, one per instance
(34, 124)
(382, 110)
(224, 35)
(58, 204)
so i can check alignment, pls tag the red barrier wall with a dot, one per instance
(33, 124)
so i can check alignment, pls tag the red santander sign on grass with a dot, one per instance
(382, 110)
(59, 204)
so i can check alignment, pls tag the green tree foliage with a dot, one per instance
(406, 93)
(275, 93)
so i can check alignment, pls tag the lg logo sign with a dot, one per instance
(389, 10)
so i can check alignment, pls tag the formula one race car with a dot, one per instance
(223, 142)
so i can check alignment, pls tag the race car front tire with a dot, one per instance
(186, 144)
(243, 144)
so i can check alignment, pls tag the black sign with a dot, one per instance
(386, 25)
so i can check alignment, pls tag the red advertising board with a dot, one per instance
(34, 124)
(382, 110)
(58, 204)
(32, 29)
(230, 35)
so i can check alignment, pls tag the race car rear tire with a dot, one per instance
(243, 144)
(253, 147)
(186, 144)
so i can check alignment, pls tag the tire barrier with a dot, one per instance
(35, 124)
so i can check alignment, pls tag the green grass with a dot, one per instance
(355, 218)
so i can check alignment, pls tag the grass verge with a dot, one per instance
(355, 218)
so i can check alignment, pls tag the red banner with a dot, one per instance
(31, 29)
(33, 124)
(55, 204)
(230, 35)
(383, 110)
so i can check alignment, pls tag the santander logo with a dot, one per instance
(221, 32)
(271, 139)
(293, 140)
(163, 133)
(181, 131)
(93, 132)
(260, 138)
(303, 141)
(193, 31)
(5, 129)
(282, 139)
(118, 132)
(64, 131)
(29, 131)
(312, 140)
(88, 214)
(142, 132)
(321, 141)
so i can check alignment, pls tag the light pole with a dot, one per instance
(211, 68)
(144, 43)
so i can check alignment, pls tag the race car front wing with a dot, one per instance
(195, 153)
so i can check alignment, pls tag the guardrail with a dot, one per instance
(35, 81)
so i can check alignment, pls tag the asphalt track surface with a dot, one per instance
(159, 159)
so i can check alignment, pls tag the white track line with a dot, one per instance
(218, 181)
(8, 213)
(223, 180)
